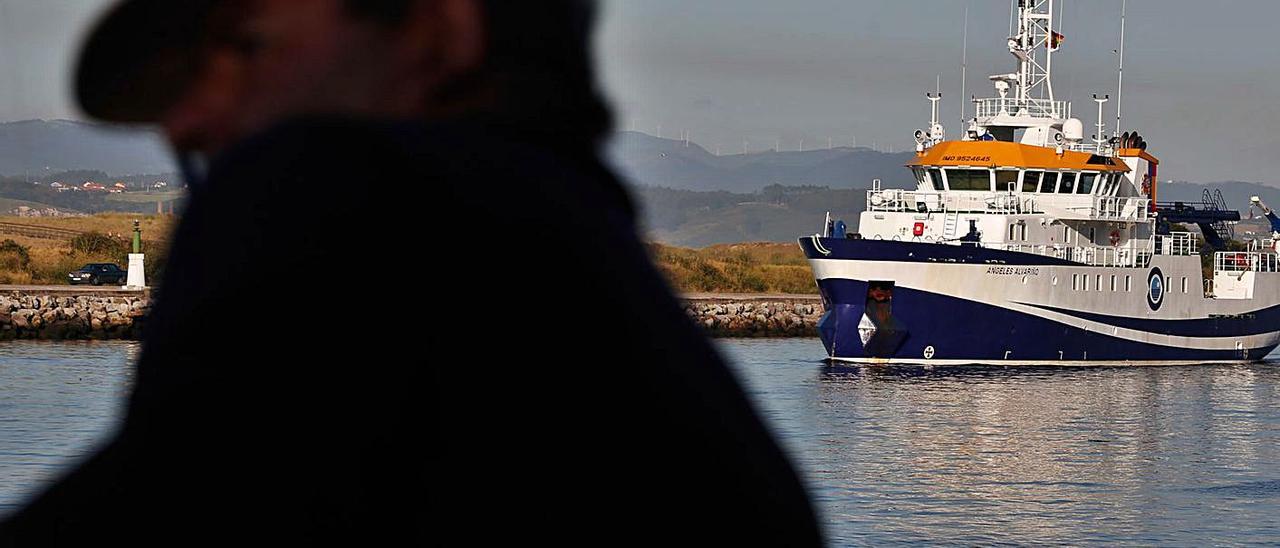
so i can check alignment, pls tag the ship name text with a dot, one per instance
(1012, 271)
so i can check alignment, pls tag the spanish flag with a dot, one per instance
(1055, 40)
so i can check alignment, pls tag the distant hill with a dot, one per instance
(1236, 193)
(33, 148)
(42, 194)
(688, 196)
(781, 214)
(774, 214)
(652, 161)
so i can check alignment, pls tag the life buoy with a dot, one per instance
(1241, 260)
(1115, 237)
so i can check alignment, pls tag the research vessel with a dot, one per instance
(1026, 243)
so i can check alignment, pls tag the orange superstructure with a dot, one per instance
(992, 154)
(1137, 153)
(1149, 181)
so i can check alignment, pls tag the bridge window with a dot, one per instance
(1068, 184)
(935, 175)
(1006, 180)
(1113, 184)
(1031, 181)
(1049, 183)
(969, 179)
(1086, 183)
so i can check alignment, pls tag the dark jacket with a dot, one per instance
(367, 331)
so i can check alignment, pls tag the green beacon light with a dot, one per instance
(137, 236)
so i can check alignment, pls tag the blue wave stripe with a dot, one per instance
(960, 329)
(1254, 323)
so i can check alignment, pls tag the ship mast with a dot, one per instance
(1025, 108)
(1033, 46)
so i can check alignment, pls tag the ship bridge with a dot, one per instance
(1072, 185)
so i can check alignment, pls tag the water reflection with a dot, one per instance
(1180, 455)
(973, 456)
(57, 401)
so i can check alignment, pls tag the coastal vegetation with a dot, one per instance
(759, 267)
(44, 250)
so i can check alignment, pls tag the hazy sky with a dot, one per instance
(1200, 77)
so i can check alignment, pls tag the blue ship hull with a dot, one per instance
(931, 327)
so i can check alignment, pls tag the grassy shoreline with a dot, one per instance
(743, 268)
(103, 238)
(753, 267)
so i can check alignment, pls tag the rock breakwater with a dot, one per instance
(755, 315)
(67, 315)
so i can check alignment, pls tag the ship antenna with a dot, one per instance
(964, 66)
(1120, 69)
(1013, 9)
(935, 129)
(1099, 139)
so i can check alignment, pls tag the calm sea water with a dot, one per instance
(57, 401)
(1105, 456)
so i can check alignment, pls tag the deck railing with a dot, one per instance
(1113, 207)
(1034, 108)
(1245, 261)
(1105, 208)
(898, 200)
(1089, 255)
(1178, 244)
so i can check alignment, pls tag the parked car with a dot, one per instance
(98, 274)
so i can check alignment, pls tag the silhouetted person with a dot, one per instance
(406, 298)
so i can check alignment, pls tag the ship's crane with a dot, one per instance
(1211, 215)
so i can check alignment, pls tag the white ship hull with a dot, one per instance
(952, 305)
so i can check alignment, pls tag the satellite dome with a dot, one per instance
(1073, 129)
